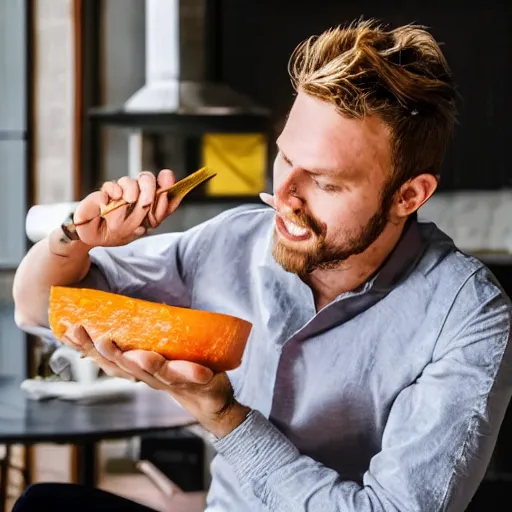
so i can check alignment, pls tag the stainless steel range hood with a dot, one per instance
(176, 92)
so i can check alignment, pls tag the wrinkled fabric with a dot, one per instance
(388, 399)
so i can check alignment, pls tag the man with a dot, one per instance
(376, 375)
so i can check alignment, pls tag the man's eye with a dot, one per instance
(327, 187)
(286, 161)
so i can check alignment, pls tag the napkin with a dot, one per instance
(101, 390)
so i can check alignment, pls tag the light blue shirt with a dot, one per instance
(388, 399)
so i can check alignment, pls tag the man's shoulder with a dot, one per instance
(442, 257)
(452, 271)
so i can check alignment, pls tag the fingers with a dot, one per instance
(109, 350)
(170, 372)
(89, 208)
(147, 195)
(86, 217)
(153, 368)
(166, 179)
(113, 190)
(189, 372)
(77, 337)
(109, 364)
(110, 368)
(173, 204)
(147, 185)
(145, 209)
(146, 366)
(130, 189)
(140, 194)
(149, 362)
(141, 190)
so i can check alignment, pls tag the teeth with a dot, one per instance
(293, 229)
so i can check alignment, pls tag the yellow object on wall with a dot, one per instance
(240, 161)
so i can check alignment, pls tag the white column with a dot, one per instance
(135, 144)
(161, 90)
(162, 40)
(54, 101)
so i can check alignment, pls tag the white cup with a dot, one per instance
(83, 370)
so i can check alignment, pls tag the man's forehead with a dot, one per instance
(319, 138)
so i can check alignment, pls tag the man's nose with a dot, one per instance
(287, 196)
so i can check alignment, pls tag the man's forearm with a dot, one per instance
(53, 261)
(271, 468)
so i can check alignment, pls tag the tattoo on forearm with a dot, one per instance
(68, 234)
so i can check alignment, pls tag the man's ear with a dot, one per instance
(413, 194)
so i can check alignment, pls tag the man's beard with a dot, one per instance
(304, 260)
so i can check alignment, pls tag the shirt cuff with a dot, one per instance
(256, 448)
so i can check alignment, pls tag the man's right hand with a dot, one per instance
(126, 223)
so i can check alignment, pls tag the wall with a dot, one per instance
(13, 175)
(477, 39)
(123, 74)
(54, 101)
(123, 68)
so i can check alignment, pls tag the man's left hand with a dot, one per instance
(207, 396)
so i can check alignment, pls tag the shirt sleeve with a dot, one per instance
(159, 268)
(438, 439)
(155, 268)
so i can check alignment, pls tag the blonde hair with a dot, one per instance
(400, 75)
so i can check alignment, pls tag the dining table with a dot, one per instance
(25, 421)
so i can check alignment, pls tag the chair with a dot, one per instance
(6, 466)
(176, 500)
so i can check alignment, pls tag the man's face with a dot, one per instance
(330, 178)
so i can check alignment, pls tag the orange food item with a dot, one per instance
(213, 340)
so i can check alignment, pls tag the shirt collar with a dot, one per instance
(402, 259)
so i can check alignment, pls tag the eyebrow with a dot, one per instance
(311, 171)
(323, 172)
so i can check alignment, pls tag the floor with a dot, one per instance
(52, 465)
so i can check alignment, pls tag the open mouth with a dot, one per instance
(292, 231)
